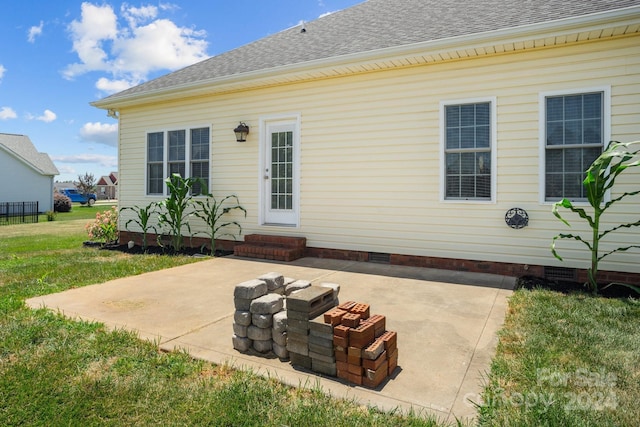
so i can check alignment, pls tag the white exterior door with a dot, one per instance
(280, 194)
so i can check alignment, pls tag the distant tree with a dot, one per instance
(86, 184)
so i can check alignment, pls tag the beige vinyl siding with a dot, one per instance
(370, 153)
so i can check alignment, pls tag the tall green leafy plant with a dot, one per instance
(211, 212)
(142, 220)
(600, 178)
(175, 208)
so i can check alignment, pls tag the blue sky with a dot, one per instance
(58, 56)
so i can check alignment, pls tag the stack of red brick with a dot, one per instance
(366, 353)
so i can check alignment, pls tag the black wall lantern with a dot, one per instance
(241, 132)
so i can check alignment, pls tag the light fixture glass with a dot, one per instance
(241, 132)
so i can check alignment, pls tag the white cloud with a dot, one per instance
(100, 159)
(34, 32)
(113, 86)
(101, 133)
(97, 26)
(7, 113)
(136, 15)
(2, 71)
(47, 117)
(131, 46)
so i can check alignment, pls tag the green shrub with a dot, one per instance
(61, 203)
(104, 227)
(51, 215)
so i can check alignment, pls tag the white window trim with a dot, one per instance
(165, 154)
(286, 118)
(492, 100)
(542, 131)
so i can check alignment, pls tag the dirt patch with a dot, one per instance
(567, 287)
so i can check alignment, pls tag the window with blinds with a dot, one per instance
(574, 138)
(181, 151)
(467, 151)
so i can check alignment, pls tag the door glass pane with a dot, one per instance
(281, 170)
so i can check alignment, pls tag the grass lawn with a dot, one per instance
(566, 360)
(54, 371)
(78, 211)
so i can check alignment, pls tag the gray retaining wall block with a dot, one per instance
(242, 317)
(280, 321)
(263, 346)
(296, 286)
(240, 330)
(262, 320)
(241, 344)
(334, 286)
(267, 304)
(260, 334)
(273, 280)
(279, 338)
(242, 304)
(251, 289)
(280, 351)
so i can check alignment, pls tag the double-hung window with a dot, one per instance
(574, 136)
(468, 134)
(180, 151)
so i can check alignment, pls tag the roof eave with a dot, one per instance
(243, 81)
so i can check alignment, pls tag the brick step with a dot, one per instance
(278, 248)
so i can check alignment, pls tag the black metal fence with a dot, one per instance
(18, 212)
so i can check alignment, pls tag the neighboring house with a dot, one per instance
(26, 175)
(107, 186)
(405, 129)
(61, 185)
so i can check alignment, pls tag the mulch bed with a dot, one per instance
(157, 250)
(568, 287)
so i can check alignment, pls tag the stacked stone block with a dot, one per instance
(306, 324)
(307, 338)
(365, 352)
(260, 322)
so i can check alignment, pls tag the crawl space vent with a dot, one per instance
(379, 258)
(560, 273)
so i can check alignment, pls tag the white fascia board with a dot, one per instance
(596, 21)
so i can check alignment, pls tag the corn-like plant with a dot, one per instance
(175, 208)
(211, 212)
(142, 220)
(600, 178)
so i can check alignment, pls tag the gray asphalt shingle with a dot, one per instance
(378, 24)
(22, 147)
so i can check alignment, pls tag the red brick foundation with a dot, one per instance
(503, 268)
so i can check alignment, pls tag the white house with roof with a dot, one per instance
(410, 131)
(26, 174)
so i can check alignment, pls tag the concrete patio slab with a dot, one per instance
(446, 322)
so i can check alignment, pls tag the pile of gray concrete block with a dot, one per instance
(259, 322)
(309, 339)
(260, 319)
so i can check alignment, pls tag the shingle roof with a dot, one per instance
(378, 24)
(22, 148)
